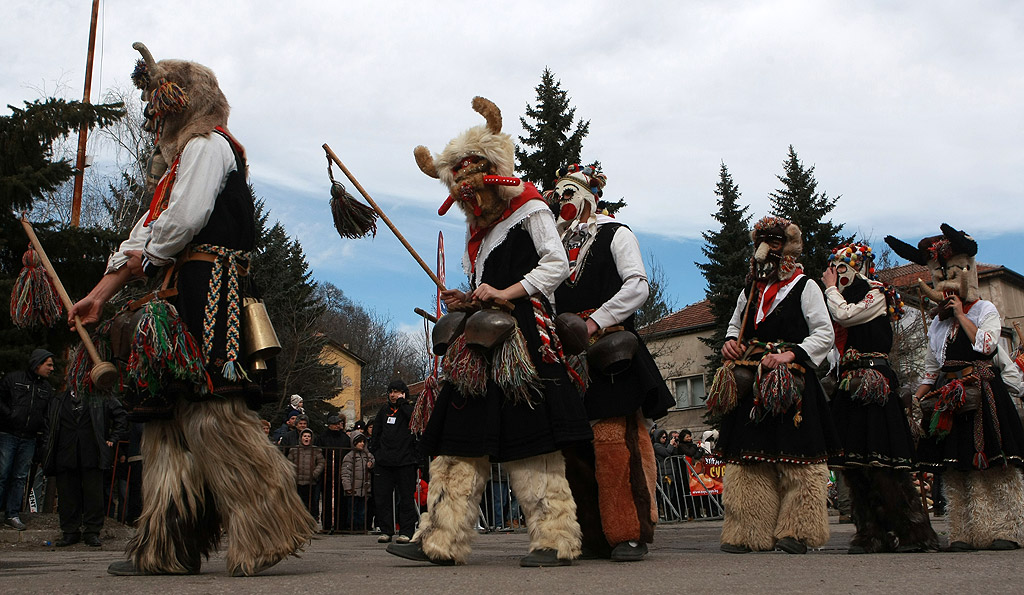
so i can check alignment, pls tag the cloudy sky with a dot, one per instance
(908, 111)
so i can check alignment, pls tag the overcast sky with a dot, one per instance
(911, 112)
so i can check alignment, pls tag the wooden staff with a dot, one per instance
(425, 314)
(384, 217)
(924, 315)
(746, 312)
(103, 374)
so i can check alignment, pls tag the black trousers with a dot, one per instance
(80, 500)
(401, 481)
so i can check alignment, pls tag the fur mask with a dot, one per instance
(477, 167)
(777, 245)
(950, 259)
(183, 100)
(851, 260)
(576, 192)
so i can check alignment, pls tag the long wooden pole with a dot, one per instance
(104, 374)
(83, 132)
(384, 217)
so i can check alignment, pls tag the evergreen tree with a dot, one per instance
(728, 251)
(658, 304)
(28, 170)
(282, 276)
(549, 135)
(799, 201)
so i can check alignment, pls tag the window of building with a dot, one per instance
(339, 377)
(689, 392)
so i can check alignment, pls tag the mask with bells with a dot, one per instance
(950, 259)
(777, 244)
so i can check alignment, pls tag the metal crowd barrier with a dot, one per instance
(689, 491)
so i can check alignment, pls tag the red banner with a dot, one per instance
(706, 473)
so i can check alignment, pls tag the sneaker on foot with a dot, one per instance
(16, 523)
(384, 538)
(402, 539)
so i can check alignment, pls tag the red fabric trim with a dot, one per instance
(771, 291)
(477, 235)
(162, 194)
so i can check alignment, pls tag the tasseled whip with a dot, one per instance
(34, 299)
(424, 406)
(352, 218)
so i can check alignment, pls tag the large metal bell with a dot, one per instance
(572, 332)
(613, 353)
(488, 329)
(122, 333)
(447, 329)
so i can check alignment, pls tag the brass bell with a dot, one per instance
(447, 329)
(488, 329)
(261, 342)
(572, 331)
(613, 352)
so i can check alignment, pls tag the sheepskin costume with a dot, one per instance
(209, 468)
(973, 432)
(776, 434)
(513, 405)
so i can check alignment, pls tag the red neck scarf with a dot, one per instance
(477, 234)
(771, 291)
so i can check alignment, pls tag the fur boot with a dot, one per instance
(178, 525)
(751, 499)
(904, 514)
(955, 487)
(867, 512)
(251, 482)
(996, 506)
(539, 483)
(803, 510)
(453, 503)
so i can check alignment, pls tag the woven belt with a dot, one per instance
(969, 370)
(867, 362)
(242, 269)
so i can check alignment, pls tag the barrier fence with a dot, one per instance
(689, 490)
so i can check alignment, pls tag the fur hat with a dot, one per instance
(480, 151)
(949, 257)
(770, 264)
(183, 100)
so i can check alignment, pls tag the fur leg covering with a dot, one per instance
(252, 483)
(179, 524)
(996, 505)
(751, 499)
(643, 458)
(625, 506)
(539, 483)
(902, 510)
(580, 473)
(955, 488)
(867, 512)
(803, 506)
(453, 504)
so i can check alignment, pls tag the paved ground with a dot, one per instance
(684, 559)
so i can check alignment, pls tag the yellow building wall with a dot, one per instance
(348, 381)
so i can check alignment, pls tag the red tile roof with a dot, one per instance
(691, 318)
(907, 275)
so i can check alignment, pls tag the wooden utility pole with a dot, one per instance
(83, 132)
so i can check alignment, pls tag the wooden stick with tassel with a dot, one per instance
(103, 374)
(384, 217)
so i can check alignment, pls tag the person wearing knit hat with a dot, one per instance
(878, 447)
(607, 284)
(24, 398)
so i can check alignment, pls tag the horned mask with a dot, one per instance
(777, 245)
(477, 167)
(950, 259)
(183, 100)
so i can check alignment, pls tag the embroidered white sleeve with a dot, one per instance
(737, 317)
(870, 307)
(553, 267)
(987, 338)
(136, 241)
(821, 337)
(202, 173)
(1009, 371)
(931, 368)
(629, 263)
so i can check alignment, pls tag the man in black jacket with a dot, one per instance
(24, 396)
(394, 449)
(80, 439)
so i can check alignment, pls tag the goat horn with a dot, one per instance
(146, 55)
(425, 161)
(486, 108)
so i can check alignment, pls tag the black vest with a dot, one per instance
(785, 323)
(873, 336)
(597, 279)
(233, 221)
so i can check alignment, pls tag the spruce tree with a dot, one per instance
(551, 136)
(728, 251)
(282, 276)
(799, 201)
(28, 170)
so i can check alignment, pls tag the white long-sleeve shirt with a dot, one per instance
(202, 173)
(871, 306)
(629, 263)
